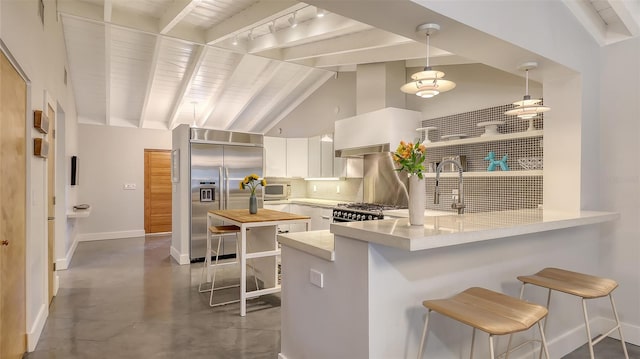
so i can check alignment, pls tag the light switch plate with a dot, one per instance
(129, 186)
(316, 278)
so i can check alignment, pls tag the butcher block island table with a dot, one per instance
(259, 243)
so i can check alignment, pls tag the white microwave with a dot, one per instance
(276, 191)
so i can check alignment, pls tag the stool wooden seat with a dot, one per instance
(218, 232)
(491, 312)
(580, 285)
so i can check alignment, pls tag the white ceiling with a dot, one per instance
(237, 64)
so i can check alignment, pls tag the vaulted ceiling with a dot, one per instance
(239, 64)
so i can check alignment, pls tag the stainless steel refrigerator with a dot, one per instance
(217, 168)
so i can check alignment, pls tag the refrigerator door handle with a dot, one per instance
(226, 187)
(222, 202)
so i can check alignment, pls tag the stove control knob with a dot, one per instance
(370, 217)
(358, 217)
(348, 216)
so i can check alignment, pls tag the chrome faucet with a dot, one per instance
(436, 195)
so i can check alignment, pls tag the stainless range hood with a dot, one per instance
(361, 151)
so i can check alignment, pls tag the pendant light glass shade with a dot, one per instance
(527, 108)
(427, 83)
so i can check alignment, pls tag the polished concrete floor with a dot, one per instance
(126, 299)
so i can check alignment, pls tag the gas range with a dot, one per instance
(352, 212)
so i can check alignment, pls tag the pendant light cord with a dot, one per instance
(427, 50)
(526, 82)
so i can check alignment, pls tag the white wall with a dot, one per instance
(619, 171)
(333, 101)
(40, 51)
(110, 157)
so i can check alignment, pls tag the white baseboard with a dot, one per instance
(181, 259)
(281, 356)
(98, 236)
(631, 332)
(56, 284)
(63, 263)
(33, 335)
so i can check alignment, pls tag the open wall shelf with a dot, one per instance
(472, 140)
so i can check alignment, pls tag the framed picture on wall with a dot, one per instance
(175, 166)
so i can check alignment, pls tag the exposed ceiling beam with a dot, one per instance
(261, 12)
(627, 15)
(440, 61)
(391, 53)
(283, 92)
(363, 40)
(245, 73)
(108, 10)
(311, 89)
(146, 24)
(107, 73)
(177, 11)
(152, 75)
(589, 18)
(197, 58)
(313, 30)
(252, 91)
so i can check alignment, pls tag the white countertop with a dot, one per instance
(317, 243)
(444, 231)
(326, 203)
(404, 213)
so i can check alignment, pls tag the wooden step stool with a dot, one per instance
(492, 312)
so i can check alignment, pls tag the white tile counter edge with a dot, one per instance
(316, 243)
(454, 230)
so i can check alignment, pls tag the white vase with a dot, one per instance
(417, 200)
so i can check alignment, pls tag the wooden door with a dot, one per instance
(51, 196)
(157, 191)
(13, 109)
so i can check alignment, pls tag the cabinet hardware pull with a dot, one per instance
(5, 242)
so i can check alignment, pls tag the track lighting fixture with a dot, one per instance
(272, 27)
(292, 20)
(320, 12)
(235, 40)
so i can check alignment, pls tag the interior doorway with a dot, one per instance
(157, 191)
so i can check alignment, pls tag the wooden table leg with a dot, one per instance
(243, 271)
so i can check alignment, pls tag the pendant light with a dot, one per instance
(427, 83)
(527, 108)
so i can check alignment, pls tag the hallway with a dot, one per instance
(126, 299)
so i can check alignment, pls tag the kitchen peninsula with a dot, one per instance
(361, 297)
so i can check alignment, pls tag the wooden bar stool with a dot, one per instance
(580, 285)
(493, 313)
(218, 232)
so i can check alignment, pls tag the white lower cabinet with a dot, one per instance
(282, 228)
(320, 217)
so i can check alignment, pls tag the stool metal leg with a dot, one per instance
(543, 345)
(473, 342)
(491, 347)
(586, 322)
(424, 335)
(615, 314)
(511, 335)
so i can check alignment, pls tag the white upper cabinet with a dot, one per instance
(315, 157)
(275, 154)
(326, 160)
(297, 157)
(320, 158)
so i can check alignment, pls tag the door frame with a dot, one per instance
(50, 287)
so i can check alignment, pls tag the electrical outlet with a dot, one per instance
(454, 191)
(316, 278)
(338, 189)
(129, 186)
(314, 188)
